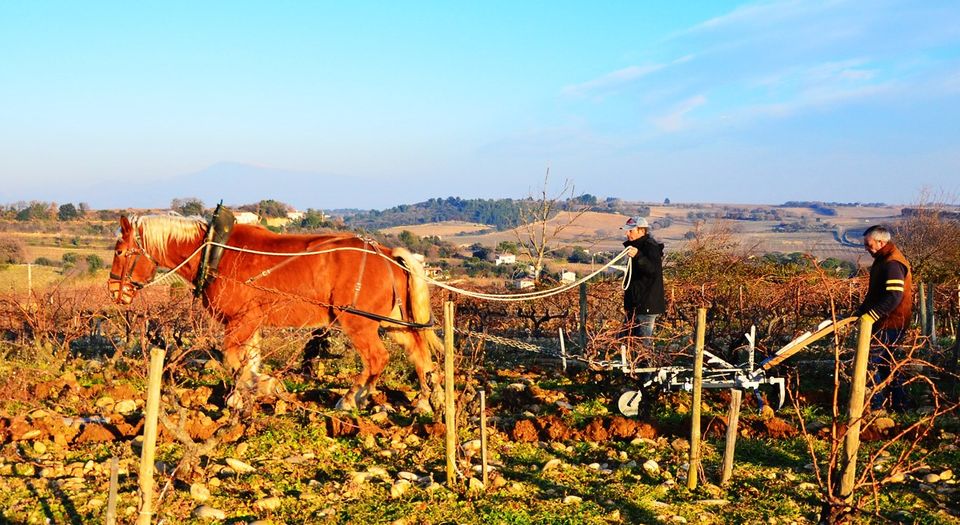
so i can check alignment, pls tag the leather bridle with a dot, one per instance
(123, 287)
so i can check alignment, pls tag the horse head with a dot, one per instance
(132, 266)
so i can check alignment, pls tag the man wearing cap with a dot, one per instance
(889, 303)
(643, 297)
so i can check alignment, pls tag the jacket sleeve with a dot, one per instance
(891, 295)
(644, 261)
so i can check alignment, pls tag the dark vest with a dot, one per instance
(900, 317)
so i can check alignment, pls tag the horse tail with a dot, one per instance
(419, 295)
(425, 342)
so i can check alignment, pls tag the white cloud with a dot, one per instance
(611, 80)
(621, 77)
(676, 120)
(763, 14)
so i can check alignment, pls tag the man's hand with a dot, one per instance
(631, 251)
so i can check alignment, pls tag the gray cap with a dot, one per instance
(635, 222)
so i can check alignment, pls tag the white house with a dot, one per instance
(246, 217)
(520, 284)
(567, 277)
(505, 258)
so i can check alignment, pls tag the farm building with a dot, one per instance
(246, 217)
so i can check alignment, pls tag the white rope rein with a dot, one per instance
(527, 296)
(627, 275)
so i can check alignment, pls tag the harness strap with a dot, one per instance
(271, 269)
(287, 260)
(378, 317)
(363, 265)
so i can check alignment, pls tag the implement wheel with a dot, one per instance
(629, 403)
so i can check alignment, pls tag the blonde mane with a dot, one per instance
(157, 231)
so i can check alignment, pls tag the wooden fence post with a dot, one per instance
(855, 410)
(733, 420)
(922, 299)
(733, 415)
(956, 336)
(563, 350)
(111, 518)
(450, 410)
(483, 438)
(692, 471)
(150, 436)
(932, 314)
(583, 316)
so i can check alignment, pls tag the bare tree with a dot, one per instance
(929, 236)
(539, 229)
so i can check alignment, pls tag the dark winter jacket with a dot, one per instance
(889, 299)
(644, 293)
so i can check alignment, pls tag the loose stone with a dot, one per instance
(210, 513)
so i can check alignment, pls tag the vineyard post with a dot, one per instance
(150, 435)
(956, 336)
(932, 314)
(855, 410)
(450, 414)
(485, 471)
(697, 400)
(733, 420)
(583, 315)
(563, 350)
(922, 299)
(111, 518)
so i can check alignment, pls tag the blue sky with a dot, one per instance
(694, 101)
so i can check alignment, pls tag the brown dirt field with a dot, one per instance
(601, 231)
(441, 229)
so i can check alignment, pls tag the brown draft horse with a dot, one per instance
(253, 290)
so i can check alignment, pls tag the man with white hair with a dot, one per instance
(643, 293)
(889, 303)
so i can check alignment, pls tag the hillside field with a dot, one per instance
(601, 231)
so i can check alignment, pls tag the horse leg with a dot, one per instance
(418, 347)
(373, 355)
(235, 353)
(242, 357)
(264, 385)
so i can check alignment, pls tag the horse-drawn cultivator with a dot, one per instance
(717, 373)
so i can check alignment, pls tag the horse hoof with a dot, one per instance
(423, 407)
(270, 387)
(436, 400)
(235, 401)
(346, 404)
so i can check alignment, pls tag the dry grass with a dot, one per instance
(14, 278)
(601, 231)
(441, 229)
(55, 253)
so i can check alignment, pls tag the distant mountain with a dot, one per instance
(237, 183)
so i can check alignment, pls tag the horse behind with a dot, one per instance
(264, 279)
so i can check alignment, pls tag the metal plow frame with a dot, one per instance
(718, 373)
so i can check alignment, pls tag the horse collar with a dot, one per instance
(218, 233)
